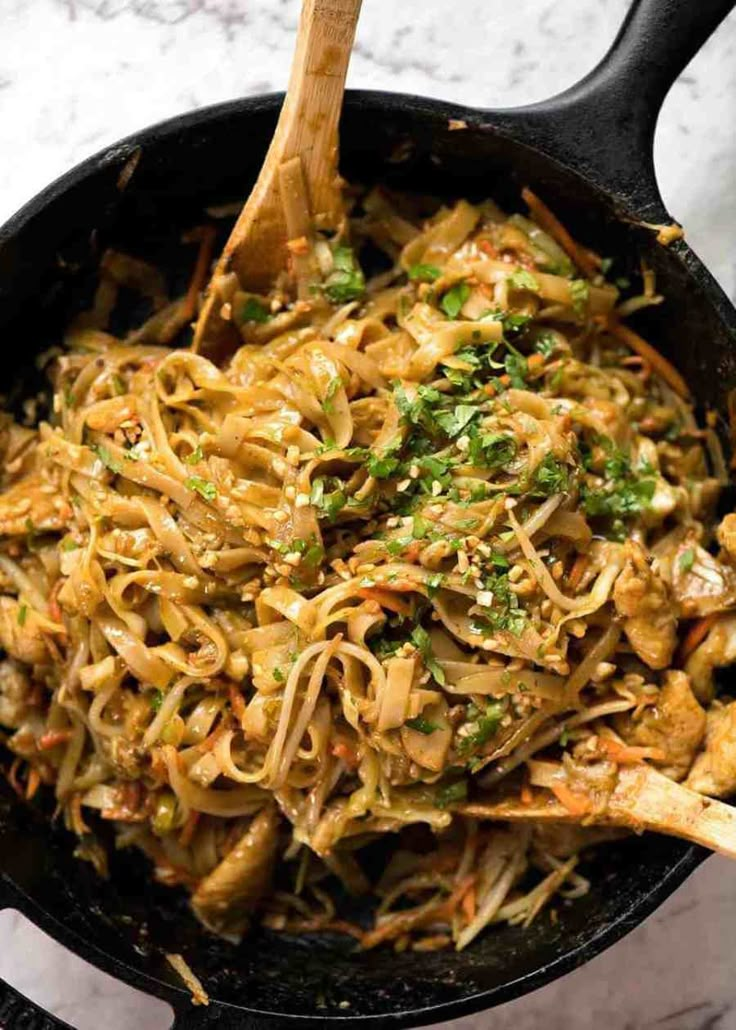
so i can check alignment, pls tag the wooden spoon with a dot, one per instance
(643, 799)
(301, 161)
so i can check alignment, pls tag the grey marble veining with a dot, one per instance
(76, 75)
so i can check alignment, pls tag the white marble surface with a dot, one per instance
(78, 74)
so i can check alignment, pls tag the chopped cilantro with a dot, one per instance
(579, 295)
(424, 273)
(516, 369)
(253, 310)
(456, 421)
(22, 614)
(421, 725)
(550, 476)
(621, 499)
(521, 279)
(69, 544)
(454, 298)
(332, 387)
(492, 450)
(545, 344)
(480, 728)
(420, 639)
(201, 486)
(118, 385)
(434, 582)
(564, 737)
(686, 560)
(346, 282)
(278, 675)
(107, 459)
(419, 528)
(156, 700)
(606, 264)
(195, 456)
(505, 613)
(328, 496)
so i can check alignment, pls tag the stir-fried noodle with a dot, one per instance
(426, 541)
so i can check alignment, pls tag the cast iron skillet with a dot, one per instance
(589, 153)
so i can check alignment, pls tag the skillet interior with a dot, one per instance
(47, 257)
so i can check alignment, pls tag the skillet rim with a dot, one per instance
(502, 123)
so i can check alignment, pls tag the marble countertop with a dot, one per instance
(76, 75)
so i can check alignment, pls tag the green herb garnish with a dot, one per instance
(195, 456)
(454, 298)
(420, 639)
(253, 310)
(421, 725)
(107, 459)
(686, 560)
(346, 282)
(479, 730)
(201, 486)
(579, 295)
(332, 387)
(521, 279)
(424, 273)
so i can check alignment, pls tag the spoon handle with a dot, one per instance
(643, 799)
(307, 129)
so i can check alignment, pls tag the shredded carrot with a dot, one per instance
(386, 599)
(696, 634)
(449, 907)
(187, 832)
(577, 571)
(487, 247)
(554, 227)
(33, 783)
(626, 755)
(654, 359)
(53, 738)
(188, 308)
(535, 361)
(468, 905)
(526, 796)
(236, 702)
(201, 267)
(574, 803)
(348, 755)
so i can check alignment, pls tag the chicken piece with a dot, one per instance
(726, 534)
(225, 899)
(700, 583)
(676, 725)
(20, 632)
(718, 649)
(714, 771)
(644, 601)
(25, 505)
(15, 689)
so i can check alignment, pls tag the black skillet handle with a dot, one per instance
(604, 125)
(16, 1011)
